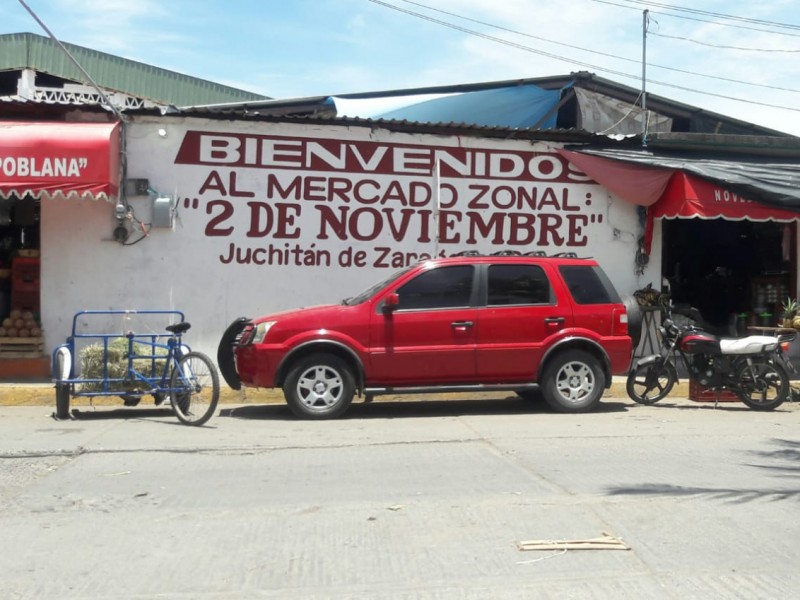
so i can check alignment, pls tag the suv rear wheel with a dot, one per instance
(573, 382)
(319, 386)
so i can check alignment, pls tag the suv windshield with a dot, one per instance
(370, 291)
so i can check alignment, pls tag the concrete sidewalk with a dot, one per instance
(42, 393)
(401, 501)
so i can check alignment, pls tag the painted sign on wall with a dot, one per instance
(302, 201)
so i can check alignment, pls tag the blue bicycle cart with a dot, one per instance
(132, 354)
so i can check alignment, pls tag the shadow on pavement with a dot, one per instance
(722, 406)
(119, 413)
(729, 494)
(390, 409)
(788, 450)
(130, 413)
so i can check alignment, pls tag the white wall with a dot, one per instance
(184, 268)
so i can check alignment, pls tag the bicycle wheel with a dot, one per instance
(195, 389)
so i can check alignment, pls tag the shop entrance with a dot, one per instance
(736, 273)
(20, 320)
(54, 160)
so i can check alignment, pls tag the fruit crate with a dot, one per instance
(25, 300)
(25, 274)
(21, 347)
(700, 393)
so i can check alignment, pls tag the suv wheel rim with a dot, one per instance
(320, 387)
(575, 381)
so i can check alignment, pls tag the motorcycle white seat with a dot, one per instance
(752, 344)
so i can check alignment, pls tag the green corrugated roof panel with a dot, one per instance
(31, 51)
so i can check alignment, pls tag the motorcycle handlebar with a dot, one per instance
(673, 328)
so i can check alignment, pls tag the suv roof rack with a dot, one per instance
(534, 253)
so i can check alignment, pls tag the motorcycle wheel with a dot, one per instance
(647, 384)
(765, 387)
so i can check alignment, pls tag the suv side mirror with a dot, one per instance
(391, 303)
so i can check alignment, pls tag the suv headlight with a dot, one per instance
(261, 330)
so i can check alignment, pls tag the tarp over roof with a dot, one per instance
(520, 106)
(617, 104)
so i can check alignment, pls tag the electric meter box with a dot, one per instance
(162, 212)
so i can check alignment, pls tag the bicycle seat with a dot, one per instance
(179, 328)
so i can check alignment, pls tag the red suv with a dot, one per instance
(465, 323)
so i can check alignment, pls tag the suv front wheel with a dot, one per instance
(319, 386)
(573, 382)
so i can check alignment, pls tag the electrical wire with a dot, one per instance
(582, 63)
(679, 16)
(721, 46)
(649, 4)
(494, 39)
(633, 107)
(136, 223)
(574, 47)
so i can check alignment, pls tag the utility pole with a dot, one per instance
(644, 76)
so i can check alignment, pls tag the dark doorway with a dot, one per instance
(729, 268)
(19, 249)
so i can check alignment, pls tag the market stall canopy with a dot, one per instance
(761, 185)
(687, 196)
(676, 186)
(56, 158)
(633, 183)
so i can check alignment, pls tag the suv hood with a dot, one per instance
(309, 314)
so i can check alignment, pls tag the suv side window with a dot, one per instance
(445, 287)
(589, 285)
(518, 284)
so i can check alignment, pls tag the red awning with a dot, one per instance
(687, 196)
(69, 159)
(637, 184)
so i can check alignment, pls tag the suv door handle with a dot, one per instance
(464, 324)
(554, 321)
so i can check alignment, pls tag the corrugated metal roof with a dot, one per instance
(315, 110)
(322, 116)
(696, 120)
(31, 51)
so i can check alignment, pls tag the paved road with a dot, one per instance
(401, 500)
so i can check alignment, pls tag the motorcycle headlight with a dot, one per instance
(261, 331)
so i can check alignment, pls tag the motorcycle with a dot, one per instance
(753, 367)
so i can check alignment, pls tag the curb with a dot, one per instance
(43, 394)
